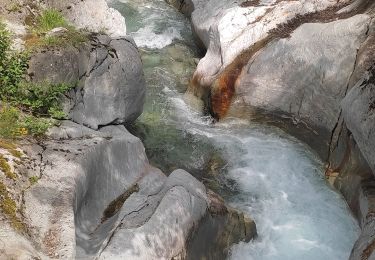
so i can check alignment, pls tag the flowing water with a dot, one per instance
(262, 171)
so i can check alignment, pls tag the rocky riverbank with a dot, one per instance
(306, 67)
(86, 189)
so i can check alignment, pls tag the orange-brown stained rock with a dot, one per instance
(224, 87)
(223, 91)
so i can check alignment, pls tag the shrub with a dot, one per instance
(14, 123)
(12, 65)
(41, 99)
(27, 107)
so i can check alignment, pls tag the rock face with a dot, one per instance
(109, 78)
(300, 75)
(359, 114)
(92, 15)
(81, 176)
(227, 28)
(219, 230)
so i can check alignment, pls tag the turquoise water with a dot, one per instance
(262, 171)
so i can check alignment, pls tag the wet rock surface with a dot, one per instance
(314, 96)
(220, 228)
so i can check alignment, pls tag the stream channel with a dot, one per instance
(258, 169)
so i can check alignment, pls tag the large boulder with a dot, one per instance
(304, 77)
(227, 28)
(108, 74)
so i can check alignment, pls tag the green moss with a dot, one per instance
(9, 208)
(33, 180)
(15, 153)
(14, 7)
(5, 167)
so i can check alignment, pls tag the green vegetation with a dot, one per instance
(49, 19)
(26, 108)
(12, 65)
(33, 179)
(15, 123)
(9, 208)
(45, 22)
(14, 7)
(41, 99)
(5, 167)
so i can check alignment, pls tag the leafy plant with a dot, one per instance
(27, 108)
(12, 65)
(14, 123)
(43, 99)
(9, 126)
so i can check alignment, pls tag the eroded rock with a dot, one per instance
(108, 74)
(82, 176)
(227, 28)
(221, 227)
(359, 114)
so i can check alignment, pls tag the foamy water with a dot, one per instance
(282, 187)
(160, 24)
(278, 181)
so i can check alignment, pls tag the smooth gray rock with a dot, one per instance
(108, 74)
(182, 204)
(58, 66)
(227, 28)
(359, 114)
(364, 247)
(82, 173)
(305, 76)
(113, 90)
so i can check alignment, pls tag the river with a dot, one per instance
(258, 169)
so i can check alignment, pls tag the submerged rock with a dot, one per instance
(219, 230)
